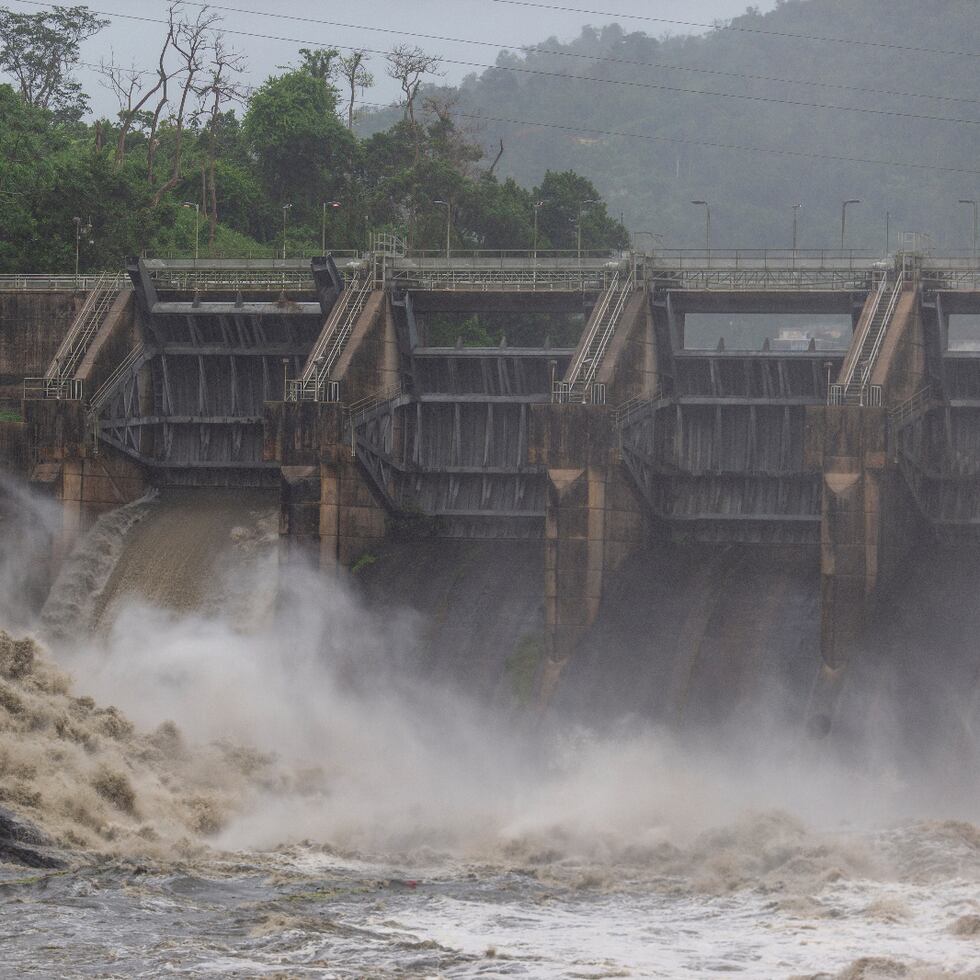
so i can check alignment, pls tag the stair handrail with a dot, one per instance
(112, 382)
(337, 338)
(611, 323)
(358, 410)
(83, 327)
(857, 343)
(586, 343)
(882, 330)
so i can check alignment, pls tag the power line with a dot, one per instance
(499, 45)
(742, 28)
(771, 150)
(653, 86)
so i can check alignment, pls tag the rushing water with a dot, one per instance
(292, 784)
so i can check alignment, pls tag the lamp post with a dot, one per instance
(974, 205)
(197, 227)
(323, 228)
(285, 211)
(888, 232)
(843, 218)
(538, 205)
(707, 224)
(796, 217)
(449, 221)
(578, 226)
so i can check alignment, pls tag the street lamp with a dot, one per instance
(843, 218)
(285, 210)
(538, 205)
(707, 224)
(796, 216)
(449, 221)
(197, 227)
(974, 204)
(323, 230)
(578, 226)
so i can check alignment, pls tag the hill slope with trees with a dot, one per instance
(899, 85)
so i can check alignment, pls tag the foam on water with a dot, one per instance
(310, 806)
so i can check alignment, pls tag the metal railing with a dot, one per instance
(59, 380)
(525, 278)
(101, 396)
(912, 407)
(858, 343)
(629, 410)
(59, 283)
(62, 389)
(358, 411)
(84, 327)
(313, 384)
(580, 385)
(881, 331)
(864, 396)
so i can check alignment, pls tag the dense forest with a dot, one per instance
(815, 85)
(196, 162)
(774, 120)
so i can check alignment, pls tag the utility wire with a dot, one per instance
(741, 28)
(541, 73)
(604, 59)
(767, 150)
(773, 151)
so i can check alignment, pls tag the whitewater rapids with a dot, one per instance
(247, 776)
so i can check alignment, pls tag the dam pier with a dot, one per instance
(596, 427)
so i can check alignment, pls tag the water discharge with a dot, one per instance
(297, 780)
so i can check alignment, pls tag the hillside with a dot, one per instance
(881, 67)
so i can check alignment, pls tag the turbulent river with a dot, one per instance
(290, 784)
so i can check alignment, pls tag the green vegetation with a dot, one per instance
(10, 416)
(489, 329)
(755, 77)
(365, 561)
(192, 160)
(522, 667)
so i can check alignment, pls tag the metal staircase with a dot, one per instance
(855, 388)
(579, 385)
(59, 379)
(314, 383)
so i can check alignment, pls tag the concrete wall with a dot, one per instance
(32, 326)
(594, 521)
(329, 513)
(14, 447)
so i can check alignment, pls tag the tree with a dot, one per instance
(219, 89)
(356, 75)
(128, 86)
(40, 51)
(569, 199)
(408, 66)
(319, 62)
(295, 137)
(191, 41)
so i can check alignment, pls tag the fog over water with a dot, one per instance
(300, 795)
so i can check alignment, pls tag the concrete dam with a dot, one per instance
(671, 524)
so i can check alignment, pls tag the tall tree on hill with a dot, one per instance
(409, 66)
(220, 88)
(355, 74)
(40, 50)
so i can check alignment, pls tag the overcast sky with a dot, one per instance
(499, 25)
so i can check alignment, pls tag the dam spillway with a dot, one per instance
(605, 457)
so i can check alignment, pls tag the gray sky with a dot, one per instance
(502, 25)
